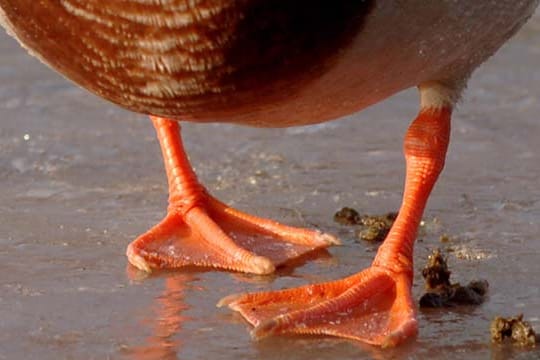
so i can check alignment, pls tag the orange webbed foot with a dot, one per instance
(218, 236)
(373, 306)
(199, 230)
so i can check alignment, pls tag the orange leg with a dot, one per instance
(199, 230)
(374, 306)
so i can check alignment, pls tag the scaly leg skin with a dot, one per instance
(199, 230)
(374, 306)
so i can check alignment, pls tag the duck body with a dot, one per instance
(261, 62)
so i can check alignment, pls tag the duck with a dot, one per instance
(268, 63)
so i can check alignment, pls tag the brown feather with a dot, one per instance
(188, 59)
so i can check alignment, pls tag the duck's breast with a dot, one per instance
(194, 59)
(260, 62)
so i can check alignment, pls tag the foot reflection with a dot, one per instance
(165, 321)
